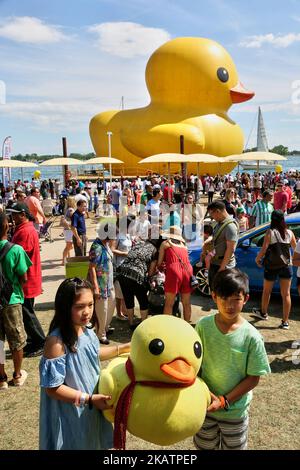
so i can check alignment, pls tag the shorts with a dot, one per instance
(222, 434)
(68, 234)
(132, 289)
(178, 279)
(12, 326)
(283, 273)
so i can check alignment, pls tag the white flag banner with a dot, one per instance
(6, 155)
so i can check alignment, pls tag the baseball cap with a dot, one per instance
(240, 210)
(19, 207)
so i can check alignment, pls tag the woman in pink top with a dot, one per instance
(174, 253)
(35, 208)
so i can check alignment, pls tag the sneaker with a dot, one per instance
(256, 312)
(284, 325)
(3, 382)
(19, 381)
(122, 317)
(104, 341)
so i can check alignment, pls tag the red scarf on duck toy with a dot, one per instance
(124, 402)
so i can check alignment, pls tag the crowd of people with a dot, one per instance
(151, 225)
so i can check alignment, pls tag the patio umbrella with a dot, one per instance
(62, 161)
(202, 158)
(8, 163)
(257, 156)
(104, 161)
(166, 158)
(16, 164)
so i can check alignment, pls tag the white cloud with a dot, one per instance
(128, 40)
(51, 115)
(26, 29)
(275, 40)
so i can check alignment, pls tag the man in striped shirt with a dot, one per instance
(262, 210)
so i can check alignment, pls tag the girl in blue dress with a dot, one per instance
(70, 407)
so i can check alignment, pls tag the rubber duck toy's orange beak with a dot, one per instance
(180, 370)
(239, 94)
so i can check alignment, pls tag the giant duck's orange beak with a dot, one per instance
(239, 93)
(179, 370)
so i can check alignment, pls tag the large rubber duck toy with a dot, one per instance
(192, 83)
(155, 392)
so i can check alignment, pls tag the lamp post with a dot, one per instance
(109, 134)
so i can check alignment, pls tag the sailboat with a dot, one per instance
(262, 146)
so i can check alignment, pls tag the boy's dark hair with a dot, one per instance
(229, 282)
(155, 192)
(64, 300)
(216, 205)
(208, 229)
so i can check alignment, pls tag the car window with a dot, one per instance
(258, 240)
(296, 230)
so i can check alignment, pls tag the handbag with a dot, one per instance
(274, 257)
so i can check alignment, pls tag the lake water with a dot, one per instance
(57, 172)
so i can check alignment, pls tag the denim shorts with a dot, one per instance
(283, 273)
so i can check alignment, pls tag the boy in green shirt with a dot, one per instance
(234, 358)
(14, 266)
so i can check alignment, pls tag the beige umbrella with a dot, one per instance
(202, 158)
(8, 163)
(102, 161)
(166, 158)
(62, 161)
(257, 156)
(16, 164)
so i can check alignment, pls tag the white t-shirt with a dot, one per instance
(297, 250)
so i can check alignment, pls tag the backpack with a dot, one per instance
(277, 255)
(6, 288)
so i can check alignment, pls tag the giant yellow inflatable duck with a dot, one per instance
(192, 83)
(156, 393)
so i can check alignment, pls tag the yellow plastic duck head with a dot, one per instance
(166, 349)
(196, 72)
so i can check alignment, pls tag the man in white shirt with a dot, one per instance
(153, 206)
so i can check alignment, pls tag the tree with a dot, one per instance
(280, 149)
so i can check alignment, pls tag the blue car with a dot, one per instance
(248, 246)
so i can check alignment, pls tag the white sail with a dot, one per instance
(262, 143)
(262, 146)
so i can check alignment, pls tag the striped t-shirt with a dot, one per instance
(262, 211)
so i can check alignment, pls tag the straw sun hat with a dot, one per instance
(173, 232)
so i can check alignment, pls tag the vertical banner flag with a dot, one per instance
(6, 154)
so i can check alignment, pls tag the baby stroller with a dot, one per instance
(45, 230)
(156, 297)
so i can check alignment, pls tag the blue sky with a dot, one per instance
(64, 61)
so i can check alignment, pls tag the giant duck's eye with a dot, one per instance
(156, 346)
(223, 74)
(197, 349)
